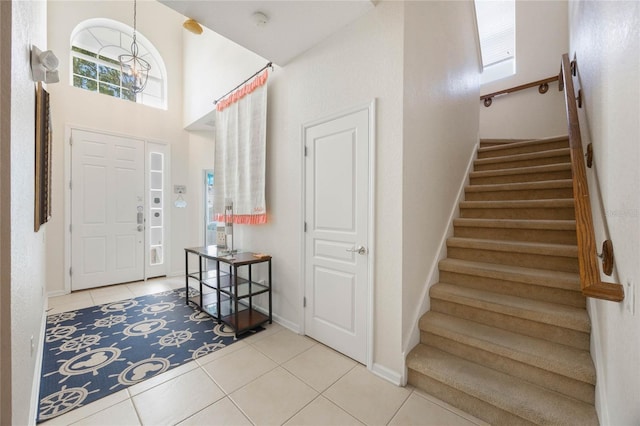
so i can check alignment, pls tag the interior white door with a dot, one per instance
(107, 209)
(336, 237)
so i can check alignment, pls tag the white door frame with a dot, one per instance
(371, 110)
(67, 197)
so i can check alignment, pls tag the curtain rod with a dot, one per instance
(269, 65)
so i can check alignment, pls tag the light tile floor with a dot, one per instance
(275, 377)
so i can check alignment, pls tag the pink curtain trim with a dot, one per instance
(245, 219)
(243, 91)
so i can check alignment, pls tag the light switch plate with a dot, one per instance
(630, 298)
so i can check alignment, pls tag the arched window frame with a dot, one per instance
(89, 48)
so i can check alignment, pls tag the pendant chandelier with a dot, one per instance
(135, 70)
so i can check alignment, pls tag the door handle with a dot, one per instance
(359, 250)
(140, 219)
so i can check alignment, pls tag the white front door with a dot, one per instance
(107, 209)
(337, 231)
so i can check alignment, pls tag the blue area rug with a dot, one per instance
(92, 352)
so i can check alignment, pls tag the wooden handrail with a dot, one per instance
(543, 86)
(592, 285)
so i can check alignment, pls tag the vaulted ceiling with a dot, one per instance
(292, 26)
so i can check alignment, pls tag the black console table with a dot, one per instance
(223, 294)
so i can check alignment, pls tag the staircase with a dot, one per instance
(507, 337)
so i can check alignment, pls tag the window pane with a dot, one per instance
(127, 80)
(85, 68)
(128, 95)
(110, 60)
(109, 75)
(110, 90)
(86, 52)
(85, 83)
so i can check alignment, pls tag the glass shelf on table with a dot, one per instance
(227, 287)
(209, 278)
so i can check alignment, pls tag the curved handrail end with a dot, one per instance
(607, 291)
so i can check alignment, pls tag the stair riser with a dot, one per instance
(515, 288)
(465, 402)
(499, 142)
(501, 165)
(560, 213)
(529, 194)
(517, 234)
(527, 260)
(519, 178)
(524, 149)
(564, 385)
(527, 327)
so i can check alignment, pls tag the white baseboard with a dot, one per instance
(177, 273)
(387, 374)
(57, 293)
(35, 389)
(282, 321)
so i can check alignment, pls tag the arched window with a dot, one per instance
(95, 47)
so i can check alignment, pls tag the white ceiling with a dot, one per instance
(294, 26)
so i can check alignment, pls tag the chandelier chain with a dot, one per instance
(134, 20)
(134, 68)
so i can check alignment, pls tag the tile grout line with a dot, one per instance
(400, 407)
(135, 409)
(253, 345)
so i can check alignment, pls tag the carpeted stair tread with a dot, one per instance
(556, 225)
(562, 250)
(523, 146)
(521, 142)
(534, 310)
(527, 401)
(521, 186)
(548, 209)
(561, 152)
(554, 357)
(522, 204)
(522, 170)
(541, 277)
(500, 141)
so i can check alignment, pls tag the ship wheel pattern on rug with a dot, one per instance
(92, 352)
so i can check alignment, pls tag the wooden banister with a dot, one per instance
(592, 285)
(543, 87)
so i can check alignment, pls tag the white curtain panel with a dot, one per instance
(240, 153)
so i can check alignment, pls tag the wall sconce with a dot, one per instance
(44, 66)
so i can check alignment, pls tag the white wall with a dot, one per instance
(213, 65)
(367, 60)
(361, 62)
(441, 90)
(27, 301)
(5, 213)
(541, 39)
(74, 107)
(605, 37)
(201, 152)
